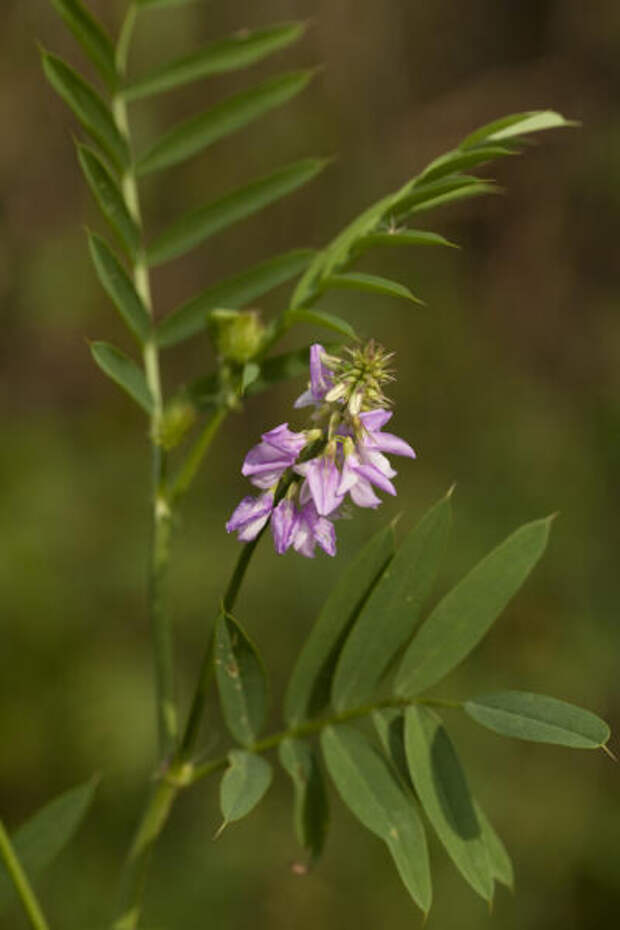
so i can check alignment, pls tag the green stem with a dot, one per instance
(161, 515)
(20, 881)
(192, 463)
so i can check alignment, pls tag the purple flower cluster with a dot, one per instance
(350, 459)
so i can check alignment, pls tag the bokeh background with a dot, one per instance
(509, 385)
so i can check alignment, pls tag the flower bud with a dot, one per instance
(178, 417)
(238, 335)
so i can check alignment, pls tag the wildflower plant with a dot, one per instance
(373, 654)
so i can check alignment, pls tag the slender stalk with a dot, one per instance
(192, 463)
(161, 515)
(20, 881)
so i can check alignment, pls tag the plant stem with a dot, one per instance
(161, 514)
(196, 454)
(20, 881)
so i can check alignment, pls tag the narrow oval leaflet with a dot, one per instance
(110, 199)
(391, 613)
(308, 690)
(241, 682)
(311, 812)
(119, 287)
(442, 788)
(124, 372)
(467, 612)
(46, 833)
(197, 133)
(370, 284)
(367, 786)
(229, 54)
(91, 36)
(499, 860)
(539, 719)
(244, 783)
(193, 228)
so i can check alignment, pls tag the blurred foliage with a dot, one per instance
(508, 384)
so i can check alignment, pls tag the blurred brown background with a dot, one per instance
(509, 384)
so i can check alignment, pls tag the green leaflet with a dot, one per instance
(88, 107)
(391, 613)
(195, 227)
(390, 725)
(119, 287)
(499, 860)
(466, 613)
(518, 124)
(538, 718)
(442, 788)
(229, 54)
(326, 320)
(243, 784)
(46, 833)
(311, 812)
(90, 34)
(241, 682)
(369, 789)
(307, 693)
(124, 371)
(370, 283)
(195, 134)
(458, 160)
(107, 194)
(232, 293)
(407, 237)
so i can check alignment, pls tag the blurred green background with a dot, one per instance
(509, 385)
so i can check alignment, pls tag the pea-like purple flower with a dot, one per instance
(307, 476)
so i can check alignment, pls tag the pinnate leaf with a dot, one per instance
(517, 124)
(538, 718)
(308, 689)
(391, 613)
(232, 293)
(226, 117)
(240, 678)
(229, 54)
(88, 107)
(124, 371)
(441, 786)
(90, 34)
(39, 841)
(107, 194)
(195, 227)
(243, 784)
(119, 287)
(372, 792)
(466, 613)
(405, 237)
(311, 812)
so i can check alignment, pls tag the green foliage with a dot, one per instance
(243, 785)
(392, 611)
(110, 199)
(310, 682)
(195, 134)
(91, 36)
(441, 786)
(326, 320)
(229, 54)
(40, 840)
(193, 228)
(369, 284)
(88, 107)
(124, 371)
(235, 292)
(466, 613)
(119, 287)
(369, 789)
(311, 811)
(240, 680)
(538, 718)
